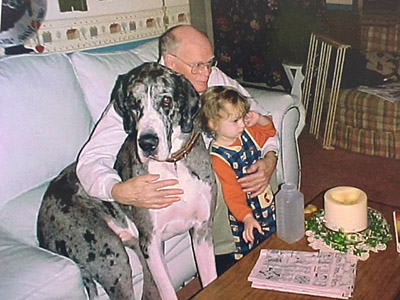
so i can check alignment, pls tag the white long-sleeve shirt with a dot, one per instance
(95, 168)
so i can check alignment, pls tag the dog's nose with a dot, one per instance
(148, 143)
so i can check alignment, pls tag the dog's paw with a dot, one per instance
(123, 233)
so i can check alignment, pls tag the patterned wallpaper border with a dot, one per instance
(93, 32)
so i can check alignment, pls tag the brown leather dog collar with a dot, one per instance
(182, 153)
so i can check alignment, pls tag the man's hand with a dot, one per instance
(145, 191)
(249, 225)
(260, 175)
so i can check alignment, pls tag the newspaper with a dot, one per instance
(327, 274)
(386, 91)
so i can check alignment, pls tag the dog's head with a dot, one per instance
(158, 106)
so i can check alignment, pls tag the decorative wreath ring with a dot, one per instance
(375, 237)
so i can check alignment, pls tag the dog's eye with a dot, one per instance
(166, 102)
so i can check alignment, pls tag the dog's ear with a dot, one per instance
(190, 105)
(119, 97)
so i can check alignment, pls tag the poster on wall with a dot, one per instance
(72, 5)
(20, 19)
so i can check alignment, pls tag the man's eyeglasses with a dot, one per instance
(200, 66)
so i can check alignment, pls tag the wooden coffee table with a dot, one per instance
(377, 278)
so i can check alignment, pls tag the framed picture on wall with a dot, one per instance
(339, 4)
(72, 5)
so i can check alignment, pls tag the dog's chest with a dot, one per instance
(195, 206)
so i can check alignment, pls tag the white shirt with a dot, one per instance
(95, 168)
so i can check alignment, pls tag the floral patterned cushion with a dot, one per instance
(386, 63)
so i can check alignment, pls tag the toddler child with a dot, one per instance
(238, 136)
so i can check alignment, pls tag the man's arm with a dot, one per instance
(95, 170)
(262, 170)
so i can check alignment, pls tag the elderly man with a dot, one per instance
(188, 51)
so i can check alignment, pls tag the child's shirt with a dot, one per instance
(234, 196)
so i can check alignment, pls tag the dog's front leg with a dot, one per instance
(158, 268)
(204, 253)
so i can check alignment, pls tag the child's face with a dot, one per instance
(229, 127)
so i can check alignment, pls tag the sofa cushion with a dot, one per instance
(147, 51)
(97, 72)
(18, 224)
(19, 215)
(40, 275)
(178, 252)
(35, 146)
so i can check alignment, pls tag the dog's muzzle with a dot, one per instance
(148, 143)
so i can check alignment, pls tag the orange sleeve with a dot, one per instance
(234, 196)
(262, 133)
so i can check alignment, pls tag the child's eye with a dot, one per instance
(238, 120)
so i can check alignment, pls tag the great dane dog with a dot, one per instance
(158, 107)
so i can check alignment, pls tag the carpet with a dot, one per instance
(323, 169)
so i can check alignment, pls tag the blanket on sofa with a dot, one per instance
(367, 124)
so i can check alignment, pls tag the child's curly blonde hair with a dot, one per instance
(214, 102)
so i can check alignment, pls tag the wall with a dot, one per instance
(107, 22)
(201, 16)
(344, 26)
(97, 8)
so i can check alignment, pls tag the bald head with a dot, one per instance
(182, 35)
(183, 47)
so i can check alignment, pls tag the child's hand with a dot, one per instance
(249, 225)
(251, 118)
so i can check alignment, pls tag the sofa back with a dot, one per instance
(47, 106)
(97, 72)
(43, 120)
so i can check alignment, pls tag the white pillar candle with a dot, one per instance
(346, 208)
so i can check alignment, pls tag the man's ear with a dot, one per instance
(169, 61)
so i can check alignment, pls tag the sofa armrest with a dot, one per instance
(30, 272)
(288, 115)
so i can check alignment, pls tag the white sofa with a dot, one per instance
(48, 106)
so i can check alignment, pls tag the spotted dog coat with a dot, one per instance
(158, 107)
